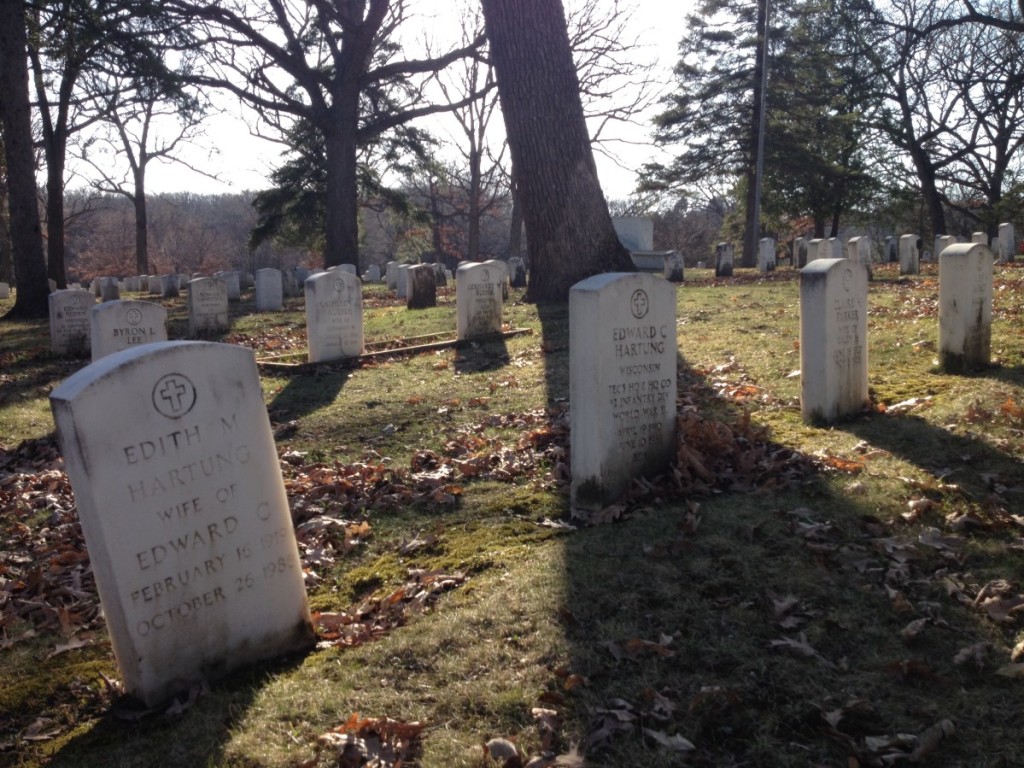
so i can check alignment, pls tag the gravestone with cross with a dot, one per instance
(965, 307)
(125, 323)
(184, 513)
(334, 316)
(622, 383)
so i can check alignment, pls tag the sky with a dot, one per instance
(242, 162)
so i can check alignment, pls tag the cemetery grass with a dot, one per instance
(850, 606)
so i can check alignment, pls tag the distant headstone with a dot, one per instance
(965, 307)
(170, 286)
(892, 251)
(910, 258)
(373, 273)
(184, 513)
(622, 383)
(517, 271)
(391, 275)
(477, 301)
(833, 249)
(833, 340)
(207, 307)
(942, 242)
(1007, 244)
(765, 255)
(153, 285)
(94, 287)
(421, 287)
(674, 267)
(814, 249)
(350, 268)
(70, 332)
(723, 260)
(858, 251)
(979, 237)
(402, 280)
(109, 289)
(291, 282)
(5, 291)
(232, 284)
(269, 290)
(440, 274)
(334, 316)
(499, 269)
(125, 324)
(799, 253)
(636, 233)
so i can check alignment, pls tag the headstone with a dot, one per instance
(421, 287)
(702, 265)
(5, 291)
(373, 273)
(833, 340)
(51, 284)
(499, 269)
(391, 275)
(207, 307)
(440, 274)
(170, 286)
(477, 301)
(833, 248)
(723, 260)
(153, 285)
(910, 259)
(674, 267)
(622, 383)
(517, 271)
(109, 290)
(291, 286)
(94, 287)
(965, 307)
(334, 316)
(402, 280)
(942, 242)
(765, 255)
(184, 513)
(858, 251)
(125, 324)
(1007, 244)
(269, 290)
(814, 249)
(892, 252)
(232, 284)
(449, 276)
(636, 233)
(350, 268)
(799, 253)
(979, 237)
(70, 332)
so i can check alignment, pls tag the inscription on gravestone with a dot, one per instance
(334, 316)
(70, 331)
(184, 512)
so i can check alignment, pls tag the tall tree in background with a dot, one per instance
(26, 232)
(568, 227)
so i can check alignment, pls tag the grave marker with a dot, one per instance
(269, 290)
(232, 284)
(799, 257)
(965, 307)
(765, 255)
(70, 330)
(622, 383)
(421, 286)
(910, 257)
(207, 307)
(402, 280)
(833, 340)
(477, 301)
(723, 260)
(674, 267)
(170, 286)
(125, 323)
(373, 273)
(184, 513)
(334, 316)
(517, 271)
(5, 291)
(1007, 244)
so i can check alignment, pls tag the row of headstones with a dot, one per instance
(181, 500)
(184, 510)
(907, 251)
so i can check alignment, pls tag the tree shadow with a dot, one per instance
(309, 390)
(486, 353)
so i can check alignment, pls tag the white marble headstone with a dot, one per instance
(269, 290)
(207, 307)
(833, 340)
(723, 260)
(126, 323)
(765, 254)
(184, 513)
(910, 257)
(622, 383)
(334, 316)
(373, 273)
(965, 307)
(70, 330)
(477, 301)
(1007, 243)
(232, 284)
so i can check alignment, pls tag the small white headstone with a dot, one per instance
(232, 284)
(1007, 244)
(723, 260)
(674, 267)
(170, 286)
(373, 273)
(70, 331)
(500, 272)
(833, 340)
(153, 285)
(207, 307)
(184, 513)
(965, 307)
(814, 250)
(269, 290)
(402, 280)
(942, 242)
(979, 237)
(334, 316)
(765, 255)
(858, 251)
(477, 301)
(910, 257)
(391, 275)
(622, 383)
(109, 289)
(125, 324)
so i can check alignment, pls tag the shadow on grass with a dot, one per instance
(488, 353)
(195, 736)
(306, 393)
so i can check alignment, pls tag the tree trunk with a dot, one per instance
(473, 244)
(26, 232)
(568, 227)
(342, 199)
(141, 223)
(515, 235)
(6, 270)
(55, 211)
